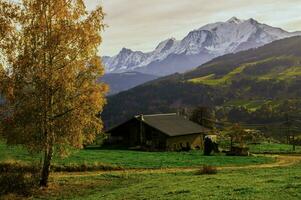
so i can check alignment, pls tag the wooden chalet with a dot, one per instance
(165, 132)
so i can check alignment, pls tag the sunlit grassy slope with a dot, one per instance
(278, 68)
(252, 105)
(211, 79)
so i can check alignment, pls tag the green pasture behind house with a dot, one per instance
(165, 132)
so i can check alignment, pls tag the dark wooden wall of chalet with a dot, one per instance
(153, 138)
(129, 132)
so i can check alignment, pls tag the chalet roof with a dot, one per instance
(172, 124)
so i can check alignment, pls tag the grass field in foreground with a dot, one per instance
(137, 159)
(268, 184)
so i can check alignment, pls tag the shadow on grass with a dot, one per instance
(17, 178)
(105, 147)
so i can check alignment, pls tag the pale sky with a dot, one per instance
(142, 24)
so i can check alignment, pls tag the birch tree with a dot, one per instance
(49, 75)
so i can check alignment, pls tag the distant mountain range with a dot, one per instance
(270, 72)
(119, 82)
(198, 47)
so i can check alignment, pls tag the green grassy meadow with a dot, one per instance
(274, 148)
(272, 183)
(253, 183)
(135, 159)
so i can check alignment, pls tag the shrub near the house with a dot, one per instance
(206, 169)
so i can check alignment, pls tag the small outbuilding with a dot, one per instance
(161, 132)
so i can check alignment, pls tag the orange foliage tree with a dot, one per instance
(49, 74)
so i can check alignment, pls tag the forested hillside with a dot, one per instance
(123, 81)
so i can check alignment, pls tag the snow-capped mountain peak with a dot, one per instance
(125, 51)
(197, 47)
(166, 45)
(234, 20)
